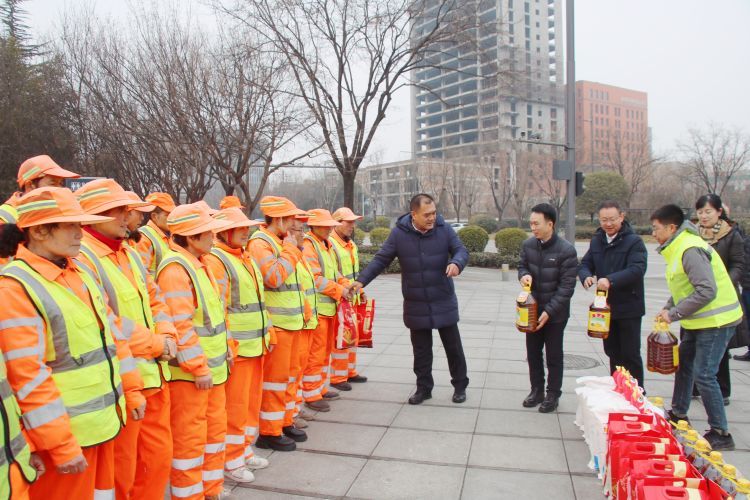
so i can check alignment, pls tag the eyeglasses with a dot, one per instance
(609, 220)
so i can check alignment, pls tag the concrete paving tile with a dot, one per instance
(503, 399)
(442, 396)
(243, 492)
(529, 423)
(391, 479)
(314, 473)
(508, 366)
(437, 418)
(476, 378)
(424, 446)
(477, 352)
(380, 391)
(400, 349)
(538, 455)
(393, 361)
(342, 438)
(588, 486)
(481, 484)
(506, 380)
(390, 374)
(578, 456)
(568, 428)
(508, 352)
(360, 412)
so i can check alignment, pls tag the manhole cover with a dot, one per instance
(576, 362)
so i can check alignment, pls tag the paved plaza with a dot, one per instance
(372, 444)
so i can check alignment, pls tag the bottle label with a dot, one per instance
(522, 317)
(676, 355)
(598, 322)
(522, 297)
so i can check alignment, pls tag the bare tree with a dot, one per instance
(495, 169)
(714, 155)
(633, 160)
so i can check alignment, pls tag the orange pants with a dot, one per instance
(277, 369)
(314, 376)
(353, 362)
(339, 358)
(199, 424)
(98, 480)
(304, 353)
(143, 450)
(19, 487)
(244, 392)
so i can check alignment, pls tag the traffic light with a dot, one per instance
(579, 184)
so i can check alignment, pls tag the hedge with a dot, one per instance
(365, 258)
(379, 235)
(358, 236)
(485, 221)
(509, 240)
(366, 225)
(474, 238)
(382, 221)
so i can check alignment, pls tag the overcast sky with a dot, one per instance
(690, 56)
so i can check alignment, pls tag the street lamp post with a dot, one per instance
(570, 118)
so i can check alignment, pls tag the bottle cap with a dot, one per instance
(743, 485)
(693, 435)
(715, 456)
(702, 446)
(729, 470)
(657, 401)
(683, 426)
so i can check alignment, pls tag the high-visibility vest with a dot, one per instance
(247, 317)
(131, 303)
(285, 304)
(348, 263)
(724, 309)
(327, 261)
(209, 324)
(8, 214)
(307, 280)
(160, 247)
(15, 449)
(81, 354)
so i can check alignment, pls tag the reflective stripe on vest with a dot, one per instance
(15, 448)
(208, 322)
(247, 318)
(348, 263)
(724, 309)
(327, 262)
(81, 355)
(285, 304)
(131, 303)
(8, 214)
(307, 280)
(160, 247)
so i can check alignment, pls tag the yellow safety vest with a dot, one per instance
(81, 354)
(160, 247)
(285, 304)
(15, 448)
(8, 214)
(209, 324)
(347, 268)
(327, 260)
(724, 309)
(132, 304)
(307, 280)
(247, 317)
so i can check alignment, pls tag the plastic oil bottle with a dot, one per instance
(662, 349)
(728, 481)
(713, 472)
(599, 316)
(742, 489)
(526, 311)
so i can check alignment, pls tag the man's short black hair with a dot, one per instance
(609, 204)
(547, 210)
(669, 214)
(419, 200)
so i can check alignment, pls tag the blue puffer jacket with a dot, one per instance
(429, 297)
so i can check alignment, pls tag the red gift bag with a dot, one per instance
(346, 333)
(365, 314)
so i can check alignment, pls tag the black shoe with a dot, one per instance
(343, 386)
(535, 397)
(742, 357)
(297, 435)
(726, 400)
(673, 419)
(357, 379)
(278, 443)
(419, 397)
(550, 403)
(459, 397)
(331, 395)
(719, 442)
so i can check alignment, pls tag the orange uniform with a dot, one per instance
(349, 247)
(149, 254)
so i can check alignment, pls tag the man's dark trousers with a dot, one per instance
(421, 341)
(549, 338)
(623, 346)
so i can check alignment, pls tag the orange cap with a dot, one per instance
(161, 200)
(40, 166)
(211, 211)
(146, 208)
(101, 195)
(277, 206)
(345, 213)
(320, 217)
(229, 202)
(47, 205)
(192, 219)
(236, 217)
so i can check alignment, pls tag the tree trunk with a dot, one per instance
(348, 177)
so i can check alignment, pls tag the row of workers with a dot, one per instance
(134, 357)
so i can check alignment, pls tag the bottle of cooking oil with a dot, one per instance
(526, 310)
(662, 349)
(599, 316)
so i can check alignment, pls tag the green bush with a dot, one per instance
(485, 221)
(642, 230)
(378, 236)
(585, 232)
(365, 258)
(366, 225)
(474, 238)
(358, 236)
(509, 240)
(382, 221)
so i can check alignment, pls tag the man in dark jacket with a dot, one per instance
(549, 264)
(616, 262)
(431, 255)
(745, 282)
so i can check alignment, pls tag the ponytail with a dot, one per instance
(10, 237)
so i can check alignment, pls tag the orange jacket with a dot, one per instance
(323, 285)
(145, 250)
(23, 343)
(182, 301)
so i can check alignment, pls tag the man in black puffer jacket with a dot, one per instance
(431, 255)
(549, 263)
(616, 262)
